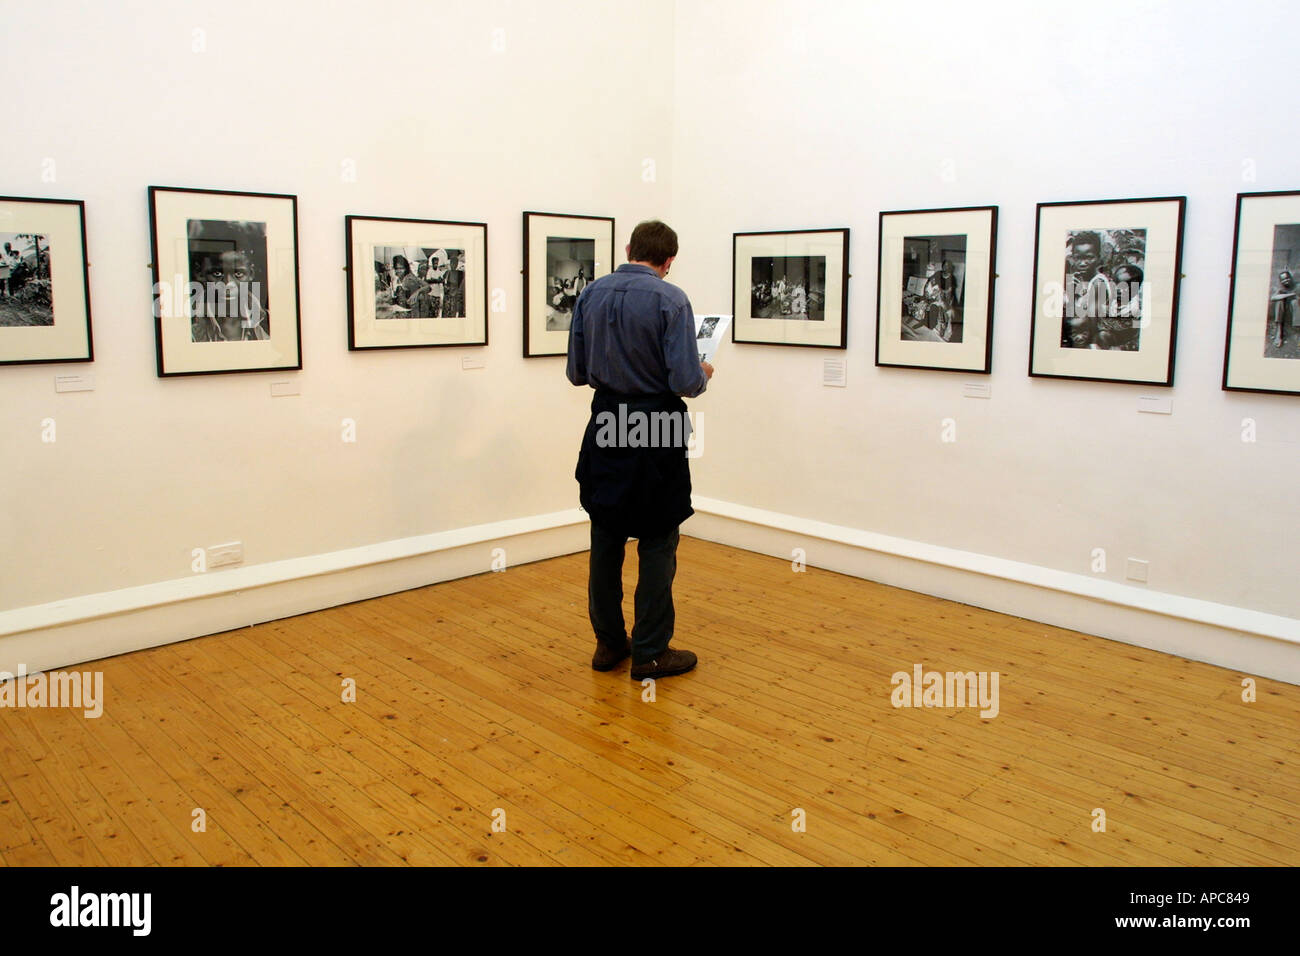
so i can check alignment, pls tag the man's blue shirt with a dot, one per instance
(634, 334)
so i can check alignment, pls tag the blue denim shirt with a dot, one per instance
(634, 334)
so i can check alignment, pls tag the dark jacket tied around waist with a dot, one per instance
(633, 474)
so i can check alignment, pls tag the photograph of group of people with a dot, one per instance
(228, 300)
(708, 325)
(1282, 330)
(934, 275)
(570, 265)
(413, 282)
(25, 290)
(788, 287)
(1102, 301)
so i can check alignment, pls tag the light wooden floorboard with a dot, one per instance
(475, 705)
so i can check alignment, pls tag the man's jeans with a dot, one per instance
(653, 628)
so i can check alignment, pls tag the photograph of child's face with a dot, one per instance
(227, 273)
(228, 268)
(1079, 330)
(1085, 259)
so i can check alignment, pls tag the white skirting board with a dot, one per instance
(94, 626)
(1251, 642)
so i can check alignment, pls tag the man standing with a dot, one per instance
(948, 284)
(1285, 306)
(632, 339)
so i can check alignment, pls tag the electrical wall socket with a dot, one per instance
(221, 555)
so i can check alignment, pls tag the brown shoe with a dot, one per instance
(607, 658)
(667, 664)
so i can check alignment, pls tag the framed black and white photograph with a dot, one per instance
(791, 288)
(562, 254)
(1262, 352)
(1106, 280)
(225, 271)
(416, 283)
(934, 298)
(44, 282)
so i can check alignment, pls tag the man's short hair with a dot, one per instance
(653, 242)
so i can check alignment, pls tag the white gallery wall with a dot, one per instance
(822, 114)
(723, 116)
(412, 109)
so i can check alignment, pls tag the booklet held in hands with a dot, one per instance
(709, 330)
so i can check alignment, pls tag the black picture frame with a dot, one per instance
(1097, 326)
(815, 258)
(422, 308)
(951, 255)
(1261, 351)
(546, 333)
(230, 302)
(44, 282)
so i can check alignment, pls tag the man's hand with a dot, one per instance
(708, 370)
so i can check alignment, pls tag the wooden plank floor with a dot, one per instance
(475, 704)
